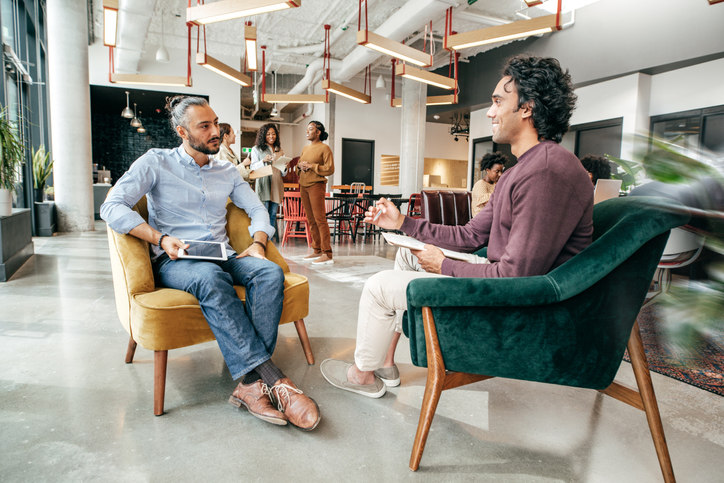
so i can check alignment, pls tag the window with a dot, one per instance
(695, 129)
(599, 138)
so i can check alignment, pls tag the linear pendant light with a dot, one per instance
(394, 49)
(420, 75)
(153, 80)
(500, 33)
(220, 68)
(295, 98)
(430, 101)
(346, 92)
(110, 22)
(441, 100)
(250, 45)
(231, 9)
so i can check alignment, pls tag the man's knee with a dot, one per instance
(374, 285)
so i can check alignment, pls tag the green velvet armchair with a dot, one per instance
(568, 327)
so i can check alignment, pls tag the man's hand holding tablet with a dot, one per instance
(203, 250)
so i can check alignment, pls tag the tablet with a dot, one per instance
(203, 250)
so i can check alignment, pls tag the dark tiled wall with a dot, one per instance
(116, 145)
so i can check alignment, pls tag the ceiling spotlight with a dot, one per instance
(380, 84)
(436, 116)
(141, 129)
(274, 112)
(127, 112)
(162, 53)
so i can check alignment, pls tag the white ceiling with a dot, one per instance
(294, 37)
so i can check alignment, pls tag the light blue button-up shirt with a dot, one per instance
(184, 200)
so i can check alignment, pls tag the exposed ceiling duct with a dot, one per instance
(134, 17)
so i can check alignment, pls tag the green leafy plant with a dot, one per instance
(11, 151)
(42, 167)
(692, 310)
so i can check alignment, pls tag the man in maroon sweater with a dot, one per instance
(539, 216)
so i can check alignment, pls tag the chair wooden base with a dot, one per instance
(438, 379)
(160, 361)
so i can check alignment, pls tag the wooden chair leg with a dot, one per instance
(131, 350)
(646, 389)
(160, 359)
(433, 388)
(304, 339)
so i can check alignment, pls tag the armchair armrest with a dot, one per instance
(482, 292)
(237, 227)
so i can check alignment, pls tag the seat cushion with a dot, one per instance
(167, 318)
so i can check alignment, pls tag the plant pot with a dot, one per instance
(6, 202)
(44, 218)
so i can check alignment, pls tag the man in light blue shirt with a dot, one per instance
(186, 190)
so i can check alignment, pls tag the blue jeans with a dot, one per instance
(246, 332)
(272, 208)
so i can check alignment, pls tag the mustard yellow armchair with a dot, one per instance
(161, 319)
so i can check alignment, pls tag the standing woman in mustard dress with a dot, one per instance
(315, 164)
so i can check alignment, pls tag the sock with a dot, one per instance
(250, 377)
(269, 373)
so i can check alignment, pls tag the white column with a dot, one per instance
(70, 113)
(412, 138)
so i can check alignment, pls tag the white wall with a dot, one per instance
(636, 98)
(694, 87)
(380, 122)
(224, 95)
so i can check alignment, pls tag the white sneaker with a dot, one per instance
(389, 375)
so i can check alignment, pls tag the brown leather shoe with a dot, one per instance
(256, 397)
(299, 409)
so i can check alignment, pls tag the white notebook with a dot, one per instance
(414, 244)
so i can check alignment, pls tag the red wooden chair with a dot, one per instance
(295, 219)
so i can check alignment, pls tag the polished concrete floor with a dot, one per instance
(71, 410)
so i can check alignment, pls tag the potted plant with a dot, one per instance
(42, 167)
(44, 210)
(11, 157)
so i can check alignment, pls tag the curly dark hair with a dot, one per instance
(491, 159)
(598, 166)
(543, 83)
(261, 137)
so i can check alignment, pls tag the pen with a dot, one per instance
(377, 215)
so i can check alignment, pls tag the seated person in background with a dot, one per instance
(228, 137)
(598, 167)
(539, 216)
(492, 167)
(187, 190)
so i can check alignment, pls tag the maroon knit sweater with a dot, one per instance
(539, 216)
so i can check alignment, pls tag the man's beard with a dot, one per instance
(203, 147)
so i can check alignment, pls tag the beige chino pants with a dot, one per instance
(382, 304)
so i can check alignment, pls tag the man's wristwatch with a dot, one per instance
(160, 239)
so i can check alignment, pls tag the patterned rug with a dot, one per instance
(702, 366)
